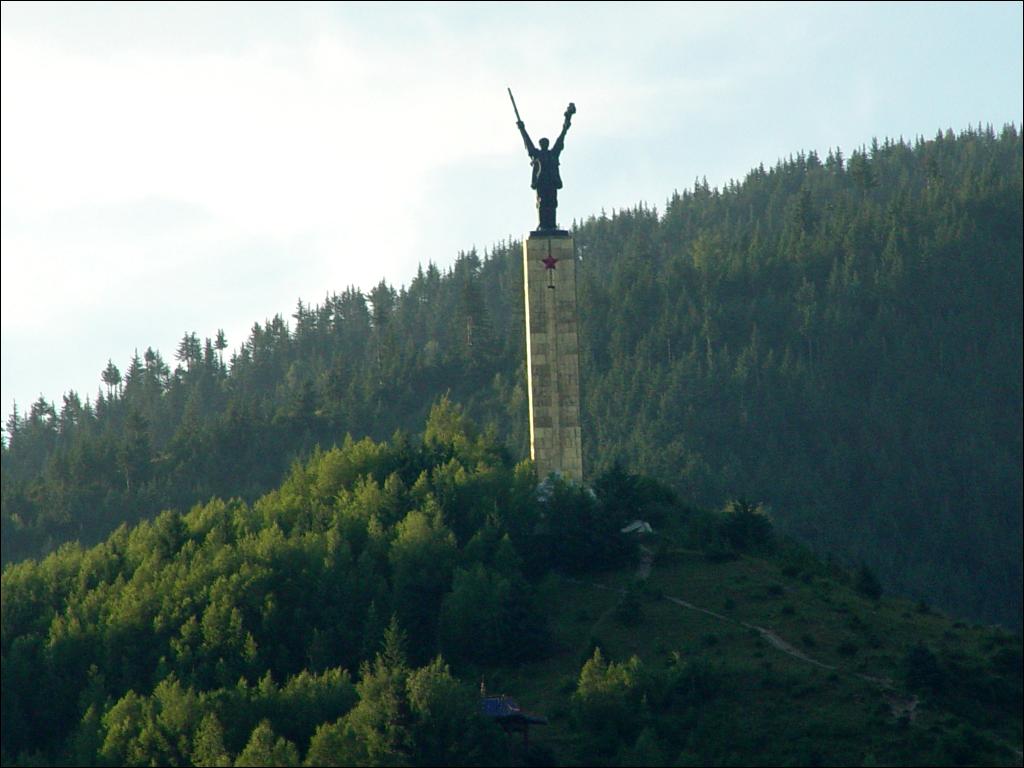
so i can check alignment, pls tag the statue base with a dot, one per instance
(552, 354)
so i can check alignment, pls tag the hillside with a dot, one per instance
(308, 627)
(838, 338)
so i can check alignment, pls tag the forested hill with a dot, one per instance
(839, 338)
(349, 616)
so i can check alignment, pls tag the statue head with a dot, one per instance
(543, 143)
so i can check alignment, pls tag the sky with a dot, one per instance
(173, 168)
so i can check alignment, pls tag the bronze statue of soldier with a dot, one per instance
(546, 178)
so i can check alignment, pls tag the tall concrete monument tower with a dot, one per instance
(552, 341)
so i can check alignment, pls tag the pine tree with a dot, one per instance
(221, 343)
(208, 744)
(111, 376)
(265, 748)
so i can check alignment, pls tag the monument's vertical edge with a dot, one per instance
(552, 355)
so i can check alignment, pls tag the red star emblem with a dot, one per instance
(549, 262)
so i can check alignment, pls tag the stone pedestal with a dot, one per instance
(552, 355)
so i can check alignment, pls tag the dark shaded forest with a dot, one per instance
(838, 338)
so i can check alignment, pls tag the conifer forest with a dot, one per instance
(312, 544)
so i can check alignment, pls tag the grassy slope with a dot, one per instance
(852, 708)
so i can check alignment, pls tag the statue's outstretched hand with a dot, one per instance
(520, 124)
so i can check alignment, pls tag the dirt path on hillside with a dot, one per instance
(646, 562)
(900, 705)
(643, 572)
(770, 637)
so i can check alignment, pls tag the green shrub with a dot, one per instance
(867, 584)
(921, 670)
(846, 648)
(629, 612)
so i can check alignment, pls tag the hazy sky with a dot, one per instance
(173, 168)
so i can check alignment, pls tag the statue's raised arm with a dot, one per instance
(560, 141)
(522, 127)
(526, 138)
